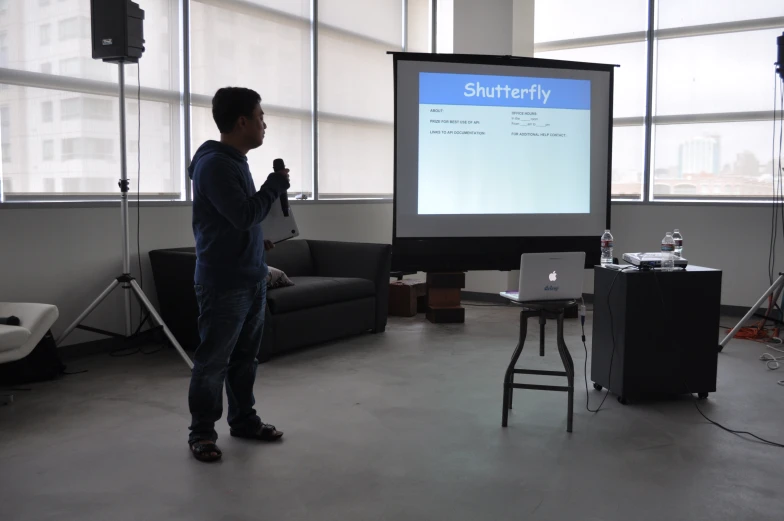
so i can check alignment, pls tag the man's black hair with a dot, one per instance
(230, 103)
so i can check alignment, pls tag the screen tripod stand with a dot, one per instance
(774, 289)
(126, 281)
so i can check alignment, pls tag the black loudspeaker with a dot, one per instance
(117, 30)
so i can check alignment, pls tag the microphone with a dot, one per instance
(278, 166)
(10, 321)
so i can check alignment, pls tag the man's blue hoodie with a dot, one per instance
(227, 215)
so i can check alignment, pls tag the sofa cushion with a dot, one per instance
(13, 337)
(292, 257)
(277, 279)
(310, 292)
(36, 319)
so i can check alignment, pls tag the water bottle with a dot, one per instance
(607, 247)
(667, 253)
(678, 238)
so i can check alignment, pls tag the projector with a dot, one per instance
(651, 260)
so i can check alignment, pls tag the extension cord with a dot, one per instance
(771, 361)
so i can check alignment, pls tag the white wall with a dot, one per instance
(68, 256)
(483, 27)
(486, 27)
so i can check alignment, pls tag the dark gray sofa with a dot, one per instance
(341, 289)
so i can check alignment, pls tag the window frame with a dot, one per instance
(651, 37)
(184, 99)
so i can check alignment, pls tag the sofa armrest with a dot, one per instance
(358, 260)
(173, 270)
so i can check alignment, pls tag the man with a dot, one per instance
(231, 272)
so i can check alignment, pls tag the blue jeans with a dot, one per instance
(231, 323)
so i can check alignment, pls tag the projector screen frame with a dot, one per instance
(490, 253)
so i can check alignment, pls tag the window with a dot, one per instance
(266, 45)
(74, 28)
(5, 133)
(87, 148)
(606, 31)
(47, 153)
(46, 112)
(587, 19)
(273, 35)
(70, 66)
(709, 128)
(711, 134)
(3, 49)
(352, 42)
(77, 148)
(84, 107)
(418, 26)
(45, 34)
(89, 69)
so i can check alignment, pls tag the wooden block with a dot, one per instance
(446, 315)
(422, 304)
(446, 280)
(403, 297)
(443, 297)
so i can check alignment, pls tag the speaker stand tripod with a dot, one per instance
(126, 281)
(774, 289)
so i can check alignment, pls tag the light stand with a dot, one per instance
(778, 284)
(776, 287)
(126, 279)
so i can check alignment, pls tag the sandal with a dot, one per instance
(265, 432)
(206, 451)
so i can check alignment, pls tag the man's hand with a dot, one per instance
(268, 245)
(280, 179)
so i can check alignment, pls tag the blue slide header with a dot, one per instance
(437, 88)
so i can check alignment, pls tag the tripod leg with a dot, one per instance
(154, 314)
(127, 298)
(87, 311)
(775, 286)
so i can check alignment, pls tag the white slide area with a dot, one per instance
(515, 147)
(494, 145)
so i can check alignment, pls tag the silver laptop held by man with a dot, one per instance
(549, 276)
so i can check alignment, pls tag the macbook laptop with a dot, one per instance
(549, 276)
(278, 227)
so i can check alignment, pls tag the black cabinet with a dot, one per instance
(659, 331)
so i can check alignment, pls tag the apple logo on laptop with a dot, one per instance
(553, 277)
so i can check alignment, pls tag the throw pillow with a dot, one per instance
(277, 279)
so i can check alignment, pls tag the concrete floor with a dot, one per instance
(400, 426)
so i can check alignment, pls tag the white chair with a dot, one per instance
(16, 342)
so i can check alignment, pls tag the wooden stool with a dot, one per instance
(542, 310)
